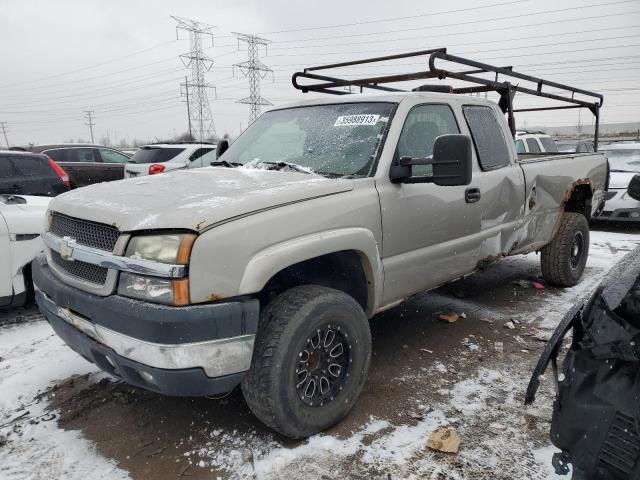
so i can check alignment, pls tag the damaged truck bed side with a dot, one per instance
(265, 269)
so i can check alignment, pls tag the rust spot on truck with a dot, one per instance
(214, 297)
(199, 224)
(486, 261)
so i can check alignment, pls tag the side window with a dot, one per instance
(209, 157)
(56, 155)
(111, 156)
(80, 155)
(520, 146)
(532, 143)
(423, 125)
(6, 168)
(491, 147)
(549, 144)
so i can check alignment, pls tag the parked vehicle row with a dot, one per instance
(624, 164)
(166, 157)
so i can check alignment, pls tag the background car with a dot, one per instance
(21, 223)
(164, 157)
(624, 164)
(85, 163)
(23, 173)
(574, 146)
(534, 142)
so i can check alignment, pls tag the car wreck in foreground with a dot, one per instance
(265, 270)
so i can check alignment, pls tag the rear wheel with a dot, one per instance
(310, 360)
(564, 258)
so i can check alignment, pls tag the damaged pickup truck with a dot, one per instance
(264, 270)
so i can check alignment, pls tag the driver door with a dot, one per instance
(428, 230)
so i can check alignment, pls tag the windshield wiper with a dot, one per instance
(224, 163)
(282, 164)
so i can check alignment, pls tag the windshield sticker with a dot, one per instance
(351, 120)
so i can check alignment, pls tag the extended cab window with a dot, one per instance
(491, 147)
(520, 146)
(423, 125)
(532, 143)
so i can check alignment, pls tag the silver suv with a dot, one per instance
(164, 157)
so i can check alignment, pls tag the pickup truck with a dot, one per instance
(264, 270)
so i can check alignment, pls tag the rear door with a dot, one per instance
(112, 163)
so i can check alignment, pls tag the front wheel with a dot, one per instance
(310, 360)
(564, 258)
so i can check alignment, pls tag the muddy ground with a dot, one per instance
(470, 374)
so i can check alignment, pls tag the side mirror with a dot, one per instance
(634, 188)
(451, 160)
(221, 147)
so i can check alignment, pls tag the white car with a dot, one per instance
(624, 163)
(534, 142)
(22, 219)
(164, 157)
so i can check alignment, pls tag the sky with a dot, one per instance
(120, 59)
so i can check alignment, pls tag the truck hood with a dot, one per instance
(25, 218)
(193, 199)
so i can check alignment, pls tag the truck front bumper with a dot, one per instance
(182, 351)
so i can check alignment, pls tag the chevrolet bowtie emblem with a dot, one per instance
(66, 248)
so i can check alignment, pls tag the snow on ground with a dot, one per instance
(500, 438)
(32, 358)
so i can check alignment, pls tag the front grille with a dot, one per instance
(85, 232)
(85, 271)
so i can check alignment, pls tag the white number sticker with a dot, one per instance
(350, 120)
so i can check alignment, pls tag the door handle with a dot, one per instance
(472, 195)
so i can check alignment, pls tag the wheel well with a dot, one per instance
(340, 270)
(580, 200)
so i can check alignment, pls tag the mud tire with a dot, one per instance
(564, 258)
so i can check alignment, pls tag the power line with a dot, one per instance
(200, 110)
(88, 116)
(254, 70)
(3, 125)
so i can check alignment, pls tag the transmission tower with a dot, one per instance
(199, 110)
(88, 115)
(255, 70)
(3, 126)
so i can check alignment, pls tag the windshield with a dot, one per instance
(332, 140)
(154, 154)
(622, 159)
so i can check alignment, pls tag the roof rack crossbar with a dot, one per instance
(502, 82)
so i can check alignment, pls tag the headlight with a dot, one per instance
(173, 248)
(170, 248)
(153, 289)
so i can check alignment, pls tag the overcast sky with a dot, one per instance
(62, 57)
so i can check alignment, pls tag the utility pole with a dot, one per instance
(88, 115)
(3, 125)
(255, 70)
(186, 94)
(199, 110)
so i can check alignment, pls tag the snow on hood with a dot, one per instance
(25, 218)
(192, 199)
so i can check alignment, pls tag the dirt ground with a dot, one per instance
(425, 373)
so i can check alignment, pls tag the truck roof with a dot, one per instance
(391, 97)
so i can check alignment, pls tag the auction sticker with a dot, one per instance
(350, 120)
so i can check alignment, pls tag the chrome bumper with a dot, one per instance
(216, 357)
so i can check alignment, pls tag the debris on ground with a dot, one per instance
(499, 346)
(426, 350)
(450, 317)
(538, 285)
(444, 439)
(509, 325)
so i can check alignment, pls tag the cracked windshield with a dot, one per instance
(331, 140)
